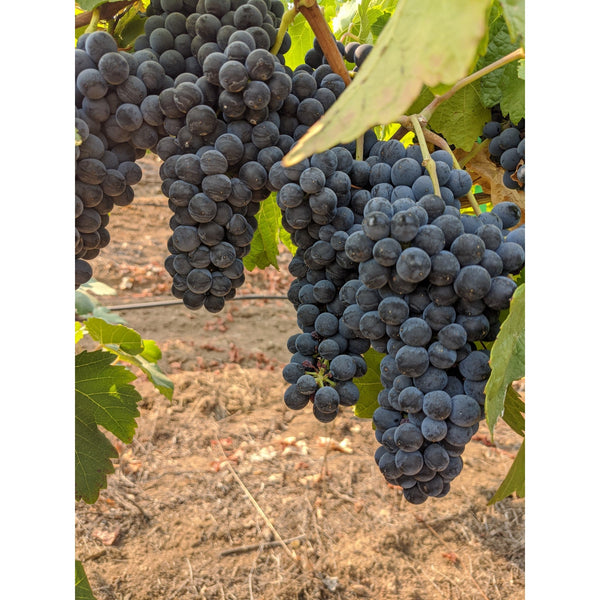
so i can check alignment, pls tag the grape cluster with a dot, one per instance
(507, 149)
(433, 297)
(223, 137)
(118, 120)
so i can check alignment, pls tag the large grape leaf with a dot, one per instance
(493, 85)
(129, 346)
(461, 118)
(103, 396)
(265, 243)
(514, 480)
(369, 386)
(507, 359)
(83, 591)
(408, 54)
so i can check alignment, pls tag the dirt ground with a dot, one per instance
(216, 480)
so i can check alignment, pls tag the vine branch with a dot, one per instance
(312, 13)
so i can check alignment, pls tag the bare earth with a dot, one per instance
(215, 480)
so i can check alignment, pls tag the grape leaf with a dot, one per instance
(83, 591)
(265, 243)
(103, 396)
(514, 13)
(369, 386)
(507, 359)
(79, 332)
(499, 45)
(461, 118)
(128, 345)
(84, 305)
(123, 338)
(512, 102)
(129, 27)
(98, 288)
(514, 408)
(411, 48)
(302, 36)
(514, 480)
(91, 4)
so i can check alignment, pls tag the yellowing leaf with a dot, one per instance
(426, 42)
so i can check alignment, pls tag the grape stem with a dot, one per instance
(440, 142)
(428, 111)
(94, 21)
(428, 162)
(286, 20)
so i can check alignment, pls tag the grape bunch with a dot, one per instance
(225, 138)
(432, 300)
(117, 120)
(507, 149)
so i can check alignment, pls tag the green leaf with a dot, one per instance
(123, 338)
(461, 118)
(104, 313)
(84, 305)
(409, 53)
(345, 16)
(521, 69)
(91, 4)
(499, 45)
(265, 243)
(514, 408)
(129, 27)
(369, 386)
(129, 347)
(302, 41)
(514, 480)
(105, 397)
(512, 102)
(83, 590)
(514, 13)
(152, 353)
(79, 332)
(507, 359)
(98, 288)
(152, 371)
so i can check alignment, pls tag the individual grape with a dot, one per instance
(512, 255)
(414, 265)
(472, 282)
(434, 430)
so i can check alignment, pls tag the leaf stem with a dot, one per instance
(428, 162)
(286, 20)
(428, 111)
